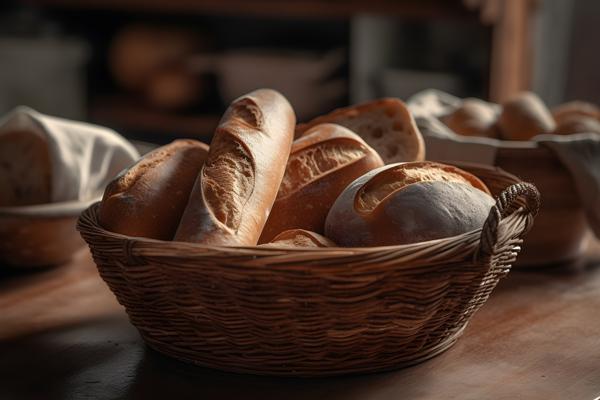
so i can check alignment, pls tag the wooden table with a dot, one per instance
(63, 336)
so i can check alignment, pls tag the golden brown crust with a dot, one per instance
(321, 164)
(577, 124)
(148, 199)
(473, 118)
(232, 197)
(406, 203)
(575, 109)
(300, 238)
(524, 117)
(385, 124)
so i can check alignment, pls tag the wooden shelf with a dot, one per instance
(276, 8)
(128, 115)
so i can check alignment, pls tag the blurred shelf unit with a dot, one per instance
(277, 8)
(375, 67)
(126, 114)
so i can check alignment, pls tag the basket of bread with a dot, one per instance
(51, 169)
(558, 150)
(324, 248)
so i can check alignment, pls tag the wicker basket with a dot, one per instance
(316, 312)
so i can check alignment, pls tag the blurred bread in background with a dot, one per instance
(25, 169)
(525, 116)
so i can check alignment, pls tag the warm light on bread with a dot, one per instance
(385, 124)
(321, 164)
(408, 203)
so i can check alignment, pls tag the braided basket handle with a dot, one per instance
(518, 196)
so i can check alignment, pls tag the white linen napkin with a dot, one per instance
(84, 157)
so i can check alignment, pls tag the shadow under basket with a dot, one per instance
(312, 312)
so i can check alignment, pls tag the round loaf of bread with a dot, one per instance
(299, 238)
(25, 169)
(321, 164)
(575, 109)
(385, 124)
(408, 203)
(524, 117)
(148, 199)
(473, 118)
(577, 124)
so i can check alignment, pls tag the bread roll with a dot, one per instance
(408, 203)
(25, 169)
(575, 109)
(139, 51)
(173, 88)
(386, 125)
(321, 164)
(473, 118)
(577, 124)
(237, 186)
(148, 199)
(299, 238)
(524, 117)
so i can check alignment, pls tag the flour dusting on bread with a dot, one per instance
(228, 180)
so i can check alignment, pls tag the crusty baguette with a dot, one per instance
(299, 238)
(385, 124)
(25, 169)
(322, 163)
(525, 116)
(148, 199)
(235, 190)
(408, 203)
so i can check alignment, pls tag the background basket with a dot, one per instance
(316, 312)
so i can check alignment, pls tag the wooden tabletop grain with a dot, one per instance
(63, 336)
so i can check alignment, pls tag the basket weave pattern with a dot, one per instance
(316, 312)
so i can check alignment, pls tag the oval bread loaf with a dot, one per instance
(148, 199)
(235, 190)
(524, 117)
(385, 124)
(473, 118)
(299, 238)
(25, 169)
(575, 108)
(321, 164)
(408, 203)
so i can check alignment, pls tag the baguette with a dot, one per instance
(235, 190)
(148, 199)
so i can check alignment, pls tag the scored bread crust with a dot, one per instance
(525, 116)
(236, 188)
(300, 238)
(401, 203)
(385, 124)
(148, 199)
(321, 164)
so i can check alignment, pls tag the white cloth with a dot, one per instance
(579, 153)
(84, 157)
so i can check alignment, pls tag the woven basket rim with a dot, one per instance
(93, 209)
